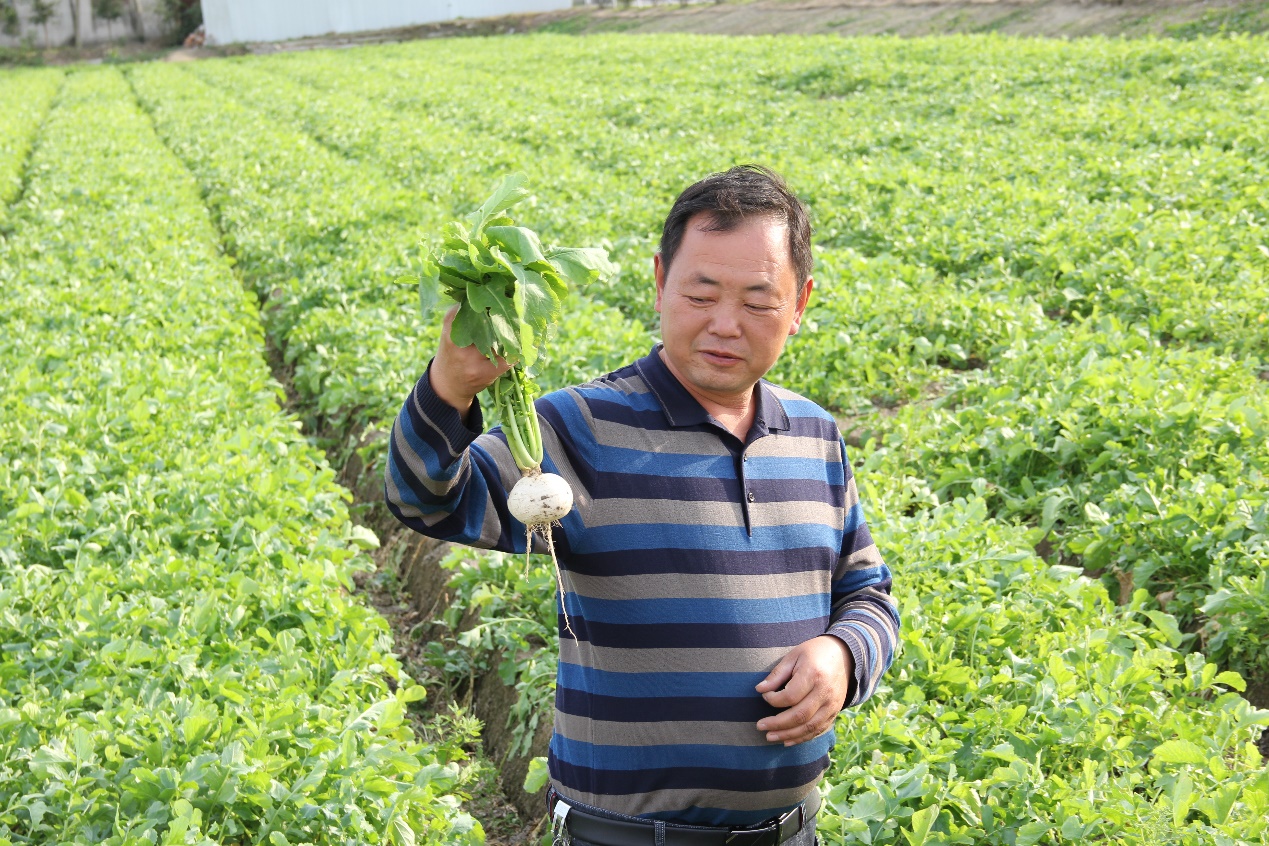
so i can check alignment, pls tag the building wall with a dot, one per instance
(230, 21)
(61, 29)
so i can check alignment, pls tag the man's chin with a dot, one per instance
(711, 381)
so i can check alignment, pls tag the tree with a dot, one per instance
(10, 23)
(41, 13)
(182, 16)
(134, 18)
(109, 11)
(81, 12)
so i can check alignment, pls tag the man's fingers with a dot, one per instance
(788, 719)
(796, 687)
(799, 727)
(778, 677)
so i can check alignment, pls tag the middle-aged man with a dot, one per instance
(726, 596)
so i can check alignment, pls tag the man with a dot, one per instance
(726, 597)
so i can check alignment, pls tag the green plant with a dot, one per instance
(42, 12)
(1039, 300)
(181, 17)
(10, 20)
(109, 11)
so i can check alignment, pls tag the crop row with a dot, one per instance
(24, 101)
(1050, 256)
(180, 657)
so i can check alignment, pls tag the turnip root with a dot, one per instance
(539, 501)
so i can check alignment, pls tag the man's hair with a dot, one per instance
(731, 198)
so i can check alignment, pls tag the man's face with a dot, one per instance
(727, 304)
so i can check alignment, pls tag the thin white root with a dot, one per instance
(545, 531)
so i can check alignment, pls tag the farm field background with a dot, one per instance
(1041, 314)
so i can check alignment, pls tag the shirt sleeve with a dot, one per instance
(447, 480)
(864, 615)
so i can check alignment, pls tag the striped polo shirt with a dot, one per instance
(692, 562)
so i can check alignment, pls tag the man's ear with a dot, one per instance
(803, 299)
(658, 270)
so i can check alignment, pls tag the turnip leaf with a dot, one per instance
(509, 192)
(499, 310)
(521, 242)
(580, 265)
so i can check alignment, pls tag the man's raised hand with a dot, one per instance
(459, 373)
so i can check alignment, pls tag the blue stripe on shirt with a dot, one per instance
(727, 685)
(749, 758)
(860, 579)
(782, 609)
(770, 467)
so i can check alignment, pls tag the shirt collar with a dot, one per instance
(682, 409)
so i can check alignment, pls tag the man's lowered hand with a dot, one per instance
(810, 685)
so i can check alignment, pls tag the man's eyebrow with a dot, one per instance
(757, 287)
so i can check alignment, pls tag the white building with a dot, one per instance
(230, 21)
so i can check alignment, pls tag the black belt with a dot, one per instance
(617, 830)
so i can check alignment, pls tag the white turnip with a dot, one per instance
(539, 501)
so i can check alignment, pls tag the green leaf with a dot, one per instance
(1182, 796)
(401, 832)
(521, 242)
(1166, 623)
(922, 822)
(472, 327)
(1180, 752)
(869, 806)
(510, 191)
(26, 509)
(537, 776)
(499, 312)
(1232, 679)
(429, 282)
(1031, 833)
(581, 265)
(538, 305)
(363, 538)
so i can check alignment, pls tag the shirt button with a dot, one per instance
(751, 496)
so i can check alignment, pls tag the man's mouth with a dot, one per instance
(720, 356)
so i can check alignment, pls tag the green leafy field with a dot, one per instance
(1041, 313)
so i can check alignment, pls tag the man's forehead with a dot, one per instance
(709, 222)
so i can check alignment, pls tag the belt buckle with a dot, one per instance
(771, 834)
(766, 836)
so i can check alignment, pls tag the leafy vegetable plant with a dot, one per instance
(509, 289)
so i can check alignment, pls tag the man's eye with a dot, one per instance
(697, 300)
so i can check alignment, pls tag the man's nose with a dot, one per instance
(724, 322)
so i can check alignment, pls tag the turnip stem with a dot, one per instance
(514, 404)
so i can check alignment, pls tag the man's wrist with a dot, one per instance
(848, 666)
(455, 399)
